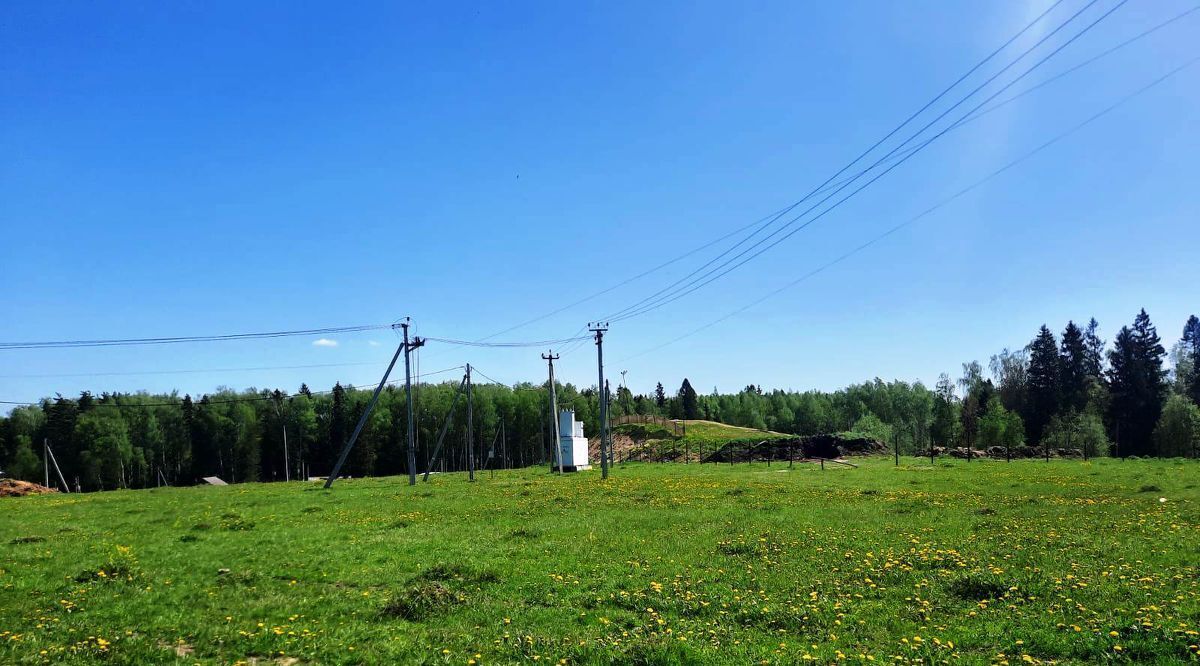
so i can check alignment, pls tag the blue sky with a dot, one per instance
(192, 168)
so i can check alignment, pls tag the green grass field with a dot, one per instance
(982, 562)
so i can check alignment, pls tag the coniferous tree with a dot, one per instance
(1044, 383)
(660, 396)
(1191, 345)
(1136, 377)
(337, 428)
(689, 405)
(1094, 353)
(944, 429)
(1074, 366)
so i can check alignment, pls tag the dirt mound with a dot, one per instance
(830, 446)
(15, 488)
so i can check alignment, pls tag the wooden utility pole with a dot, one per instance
(46, 459)
(412, 448)
(550, 357)
(470, 428)
(599, 329)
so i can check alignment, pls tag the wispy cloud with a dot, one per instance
(325, 342)
(373, 343)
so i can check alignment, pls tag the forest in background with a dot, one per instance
(1133, 397)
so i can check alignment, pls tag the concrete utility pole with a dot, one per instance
(61, 478)
(550, 357)
(46, 459)
(607, 404)
(287, 474)
(412, 449)
(337, 468)
(599, 329)
(470, 428)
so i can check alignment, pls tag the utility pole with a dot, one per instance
(66, 488)
(470, 428)
(287, 475)
(599, 329)
(550, 357)
(608, 424)
(46, 459)
(337, 468)
(412, 450)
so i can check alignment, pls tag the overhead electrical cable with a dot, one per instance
(822, 187)
(255, 398)
(1057, 138)
(189, 370)
(758, 248)
(1038, 86)
(58, 344)
(764, 222)
(476, 343)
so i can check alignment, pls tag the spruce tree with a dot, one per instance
(1191, 342)
(1074, 365)
(688, 400)
(337, 427)
(1136, 378)
(660, 396)
(1094, 347)
(1044, 383)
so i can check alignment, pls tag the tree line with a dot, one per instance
(1073, 390)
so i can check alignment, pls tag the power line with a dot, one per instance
(190, 370)
(828, 185)
(257, 398)
(768, 220)
(58, 344)
(1008, 100)
(929, 210)
(725, 268)
(821, 188)
(477, 343)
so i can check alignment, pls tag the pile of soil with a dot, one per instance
(15, 488)
(830, 447)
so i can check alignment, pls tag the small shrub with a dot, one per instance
(977, 588)
(421, 602)
(238, 524)
(526, 533)
(121, 567)
(442, 572)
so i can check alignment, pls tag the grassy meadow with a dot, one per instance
(981, 562)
